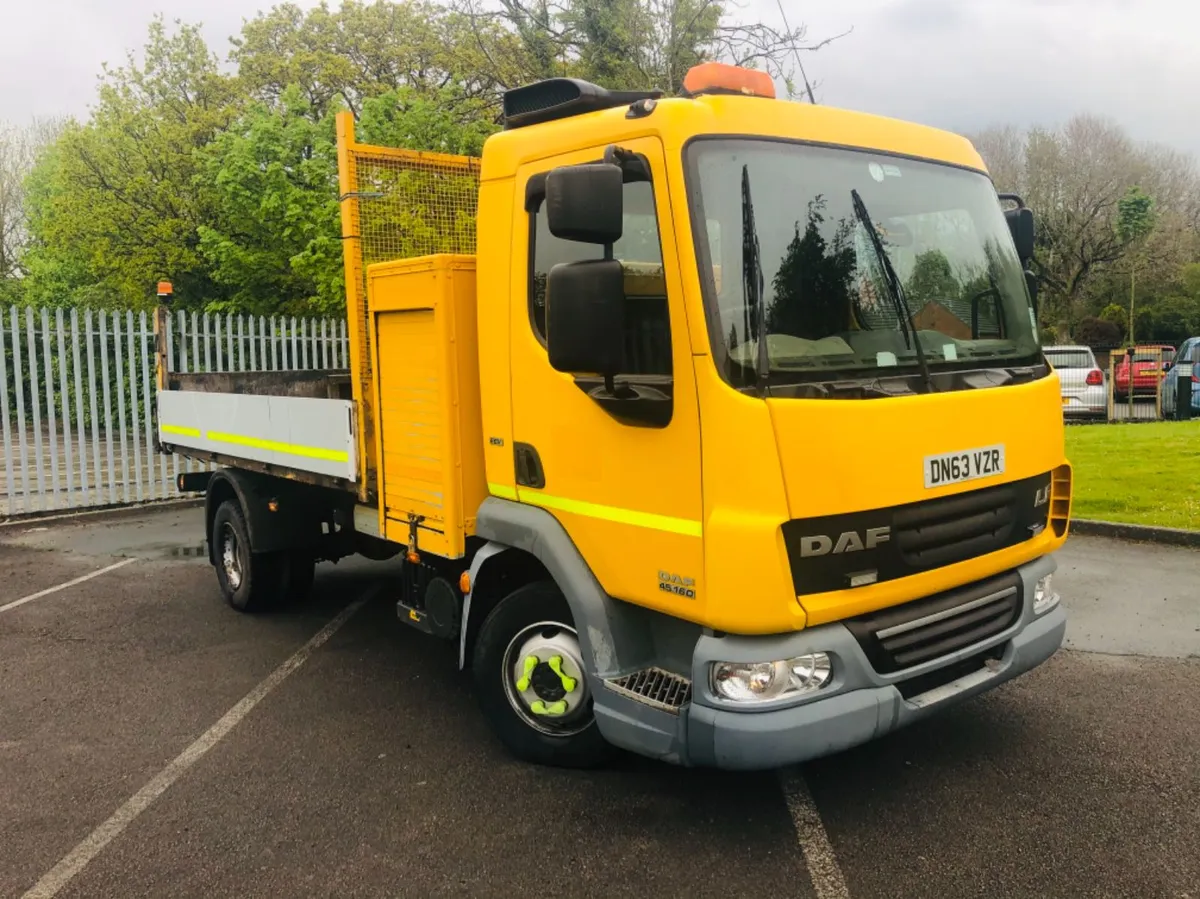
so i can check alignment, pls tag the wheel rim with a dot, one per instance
(230, 558)
(544, 680)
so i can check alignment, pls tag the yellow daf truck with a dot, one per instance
(712, 427)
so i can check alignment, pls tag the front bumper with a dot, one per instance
(859, 705)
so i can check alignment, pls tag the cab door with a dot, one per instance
(622, 478)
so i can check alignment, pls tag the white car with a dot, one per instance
(1084, 391)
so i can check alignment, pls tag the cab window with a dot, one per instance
(647, 323)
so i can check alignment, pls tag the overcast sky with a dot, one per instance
(959, 64)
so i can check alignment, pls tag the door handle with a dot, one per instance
(528, 466)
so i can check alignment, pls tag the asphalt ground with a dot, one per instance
(368, 771)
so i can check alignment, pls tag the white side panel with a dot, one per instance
(304, 433)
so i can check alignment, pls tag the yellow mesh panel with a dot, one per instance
(396, 204)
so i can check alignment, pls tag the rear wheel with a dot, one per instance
(249, 581)
(531, 682)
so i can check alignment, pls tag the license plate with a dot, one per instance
(966, 465)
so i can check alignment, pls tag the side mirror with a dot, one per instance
(1020, 224)
(584, 203)
(585, 317)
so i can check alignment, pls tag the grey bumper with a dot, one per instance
(859, 705)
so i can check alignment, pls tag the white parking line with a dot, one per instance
(79, 580)
(79, 857)
(823, 868)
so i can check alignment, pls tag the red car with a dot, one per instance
(1147, 370)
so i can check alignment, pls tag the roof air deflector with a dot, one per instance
(559, 98)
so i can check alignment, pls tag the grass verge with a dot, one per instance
(1137, 473)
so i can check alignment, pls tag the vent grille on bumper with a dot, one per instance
(904, 636)
(655, 687)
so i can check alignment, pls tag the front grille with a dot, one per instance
(943, 531)
(838, 552)
(655, 687)
(917, 632)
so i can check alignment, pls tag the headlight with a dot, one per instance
(1044, 596)
(764, 681)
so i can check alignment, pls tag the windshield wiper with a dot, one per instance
(752, 281)
(899, 301)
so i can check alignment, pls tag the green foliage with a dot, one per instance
(113, 206)
(932, 279)
(1095, 332)
(343, 58)
(611, 31)
(1114, 314)
(813, 290)
(226, 183)
(407, 118)
(1115, 219)
(269, 186)
(1049, 335)
(1135, 215)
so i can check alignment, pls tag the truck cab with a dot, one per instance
(847, 521)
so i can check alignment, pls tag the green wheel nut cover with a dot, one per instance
(568, 682)
(548, 709)
(530, 663)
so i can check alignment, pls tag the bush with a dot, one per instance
(1097, 333)
(1115, 315)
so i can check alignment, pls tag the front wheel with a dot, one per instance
(531, 682)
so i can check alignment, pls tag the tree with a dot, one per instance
(270, 239)
(1075, 177)
(932, 280)
(344, 58)
(20, 148)
(115, 206)
(269, 185)
(1115, 315)
(626, 44)
(1095, 332)
(812, 293)
(1135, 221)
(226, 184)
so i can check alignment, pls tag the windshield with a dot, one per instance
(1070, 358)
(829, 309)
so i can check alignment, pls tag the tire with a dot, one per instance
(249, 581)
(572, 742)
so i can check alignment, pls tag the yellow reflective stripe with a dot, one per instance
(501, 491)
(180, 430)
(610, 513)
(291, 449)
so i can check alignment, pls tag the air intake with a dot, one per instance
(559, 98)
